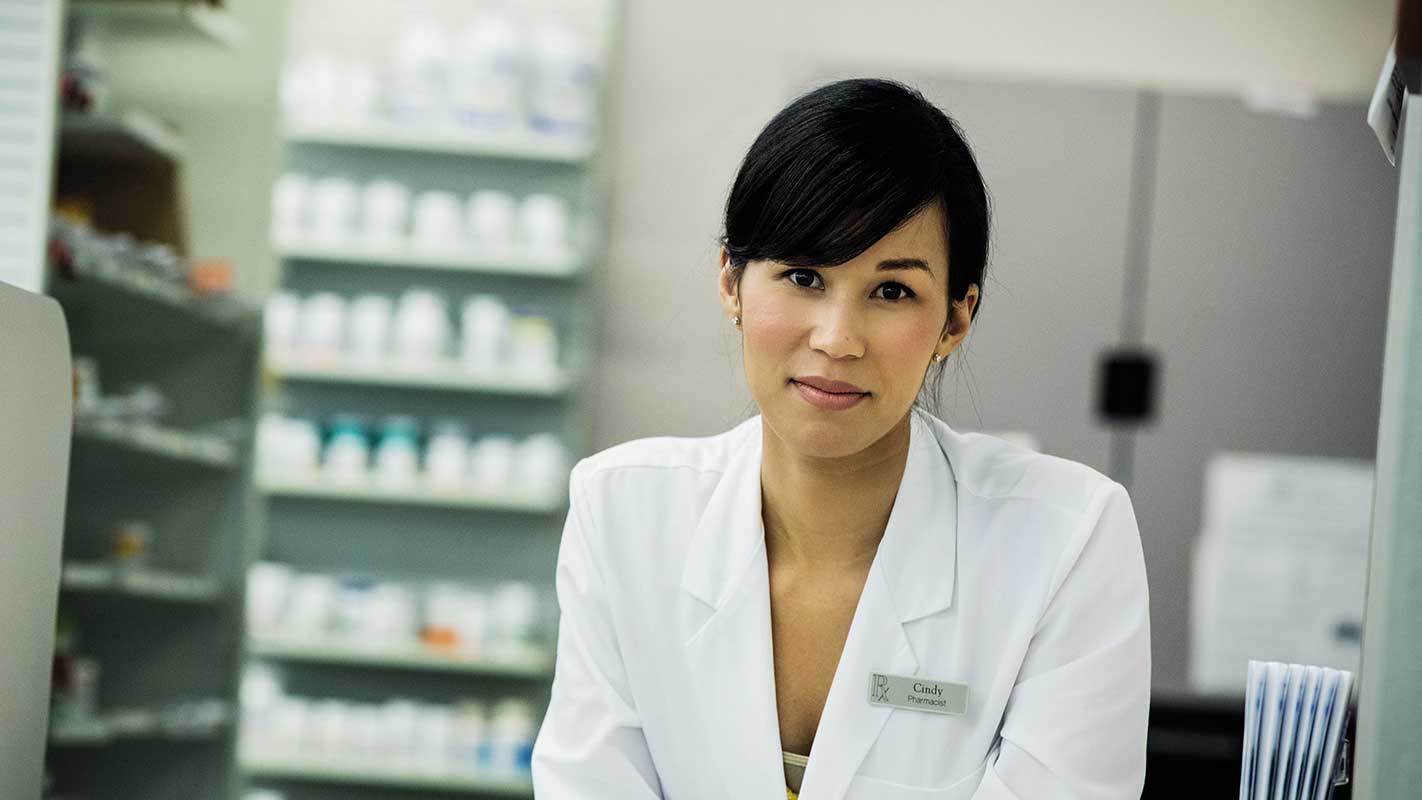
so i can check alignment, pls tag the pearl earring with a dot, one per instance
(736, 320)
(937, 358)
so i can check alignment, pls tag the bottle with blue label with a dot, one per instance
(347, 456)
(397, 456)
(563, 84)
(488, 74)
(512, 731)
(472, 753)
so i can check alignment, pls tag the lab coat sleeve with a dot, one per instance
(1075, 723)
(591, 743)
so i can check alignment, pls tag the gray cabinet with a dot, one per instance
(1057, 163)
(1266, 302)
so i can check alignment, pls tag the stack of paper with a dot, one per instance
(1294, 721)
(1280, 565)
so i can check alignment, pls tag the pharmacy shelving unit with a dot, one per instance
(168, 634)
(422, 536)
(355, 777)
(160, 19)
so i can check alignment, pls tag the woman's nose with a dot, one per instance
(836, 331)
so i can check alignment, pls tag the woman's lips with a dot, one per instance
(830, 401)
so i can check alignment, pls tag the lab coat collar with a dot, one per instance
(730, 532)
(918, 553)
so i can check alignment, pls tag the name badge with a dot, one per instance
(917, 694)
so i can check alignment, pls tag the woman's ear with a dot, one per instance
(960, 319)
(728, 285)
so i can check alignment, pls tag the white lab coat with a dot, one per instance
(1016, 573)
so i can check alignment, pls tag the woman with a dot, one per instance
(922, 613)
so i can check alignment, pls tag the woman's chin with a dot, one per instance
(810, 434)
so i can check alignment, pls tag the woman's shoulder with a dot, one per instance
(639, 501)
(698, 453)
(998, 468)
(1046, 507)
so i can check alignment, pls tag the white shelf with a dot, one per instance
(316, 488)
(162, 18)
(533, 664)
(159, 441)
(81, 576)
(97, 289)
(448, 376)
(132, 135)
(137, 723)
(80, 732)
(360, 773)
(405, 258)
(381, 135)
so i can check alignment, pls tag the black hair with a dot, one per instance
(845, 164)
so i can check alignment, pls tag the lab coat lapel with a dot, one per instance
(919, 551)
(912, 576)
(850, 725)
(726, 618)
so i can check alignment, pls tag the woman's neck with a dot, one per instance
(829, 512)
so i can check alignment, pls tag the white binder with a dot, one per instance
(1294, 720)
(35, 421)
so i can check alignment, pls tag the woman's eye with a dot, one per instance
(806, 279)
(795, 274)
(897, 291)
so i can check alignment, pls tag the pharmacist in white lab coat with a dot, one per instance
(843, 597)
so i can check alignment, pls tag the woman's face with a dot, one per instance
(874, 323)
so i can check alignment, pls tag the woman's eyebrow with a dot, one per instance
(905, 263)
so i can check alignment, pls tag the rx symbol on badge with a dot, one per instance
(881, 689)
